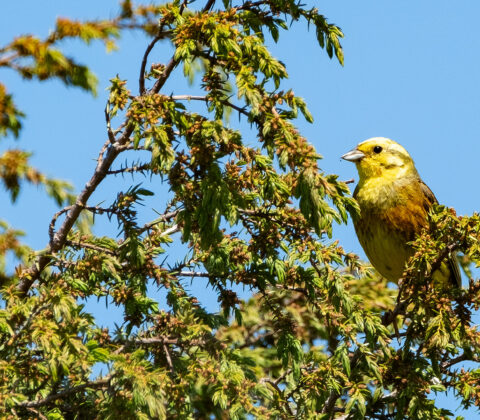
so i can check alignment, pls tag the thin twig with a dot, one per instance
(250, 4)
(280, 392)
(6, 61)
(26, 323)
(293, 289)
(51, 227)
(148, 341)
(209, 5)
(100, 383)
(183, 6)
(141, 80)
(130, 169)
(103, 150)
(188, 98)
(100, 210)
(37, 413)
(168, 358)
(163, 218)
(192, 274)
(206, 99)
(90, 246)
(169, 231)
(251, 341)
(120, 128)
(132, 147)
(462, 358)
(160, 35)
(111, 136)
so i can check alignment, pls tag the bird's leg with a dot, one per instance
(389, 316)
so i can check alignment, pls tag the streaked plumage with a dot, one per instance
(394, 204)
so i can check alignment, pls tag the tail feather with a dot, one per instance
(455, 276)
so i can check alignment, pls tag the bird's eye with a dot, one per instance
(377, 149)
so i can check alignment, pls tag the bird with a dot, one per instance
(394, 204)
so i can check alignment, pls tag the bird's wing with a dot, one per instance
(428, 194)
(455, 276)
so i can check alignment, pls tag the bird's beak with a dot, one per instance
(354, 155)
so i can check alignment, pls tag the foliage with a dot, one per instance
(321, 337)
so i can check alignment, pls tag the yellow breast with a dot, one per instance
(392, 213)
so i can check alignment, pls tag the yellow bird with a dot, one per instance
(394, 204)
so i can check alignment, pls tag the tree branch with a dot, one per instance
(209, 5)
(193, 274)
(168, 358)
(170, 230)
(100, 383)
(90, 246)
(37, 413)
(111, 136)
(163, 218)
(206, 99)
(130, 169)
(29, 275)
(160, 340)
(274, 384)
(462, 358)
(51, 227)
(141, 80)
(251, 4)
(26, 323)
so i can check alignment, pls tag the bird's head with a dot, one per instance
(381, 157)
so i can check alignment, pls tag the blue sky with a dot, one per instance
(411, 73)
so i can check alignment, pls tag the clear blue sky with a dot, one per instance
(411, 73)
